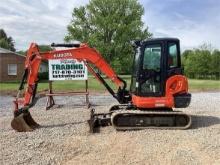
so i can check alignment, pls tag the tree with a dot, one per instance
(215, 64)
(109, 25)
(5, 41)
(188, 62)
(202, 62)
(184, 56)
(197, 63)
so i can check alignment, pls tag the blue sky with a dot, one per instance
(44, 21)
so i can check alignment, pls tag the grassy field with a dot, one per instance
(94, 85)
(204, 85)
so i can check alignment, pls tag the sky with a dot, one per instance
(194, 22)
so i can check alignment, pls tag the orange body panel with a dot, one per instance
(176, 84)
(152, 102)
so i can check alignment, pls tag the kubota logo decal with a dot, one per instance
(58, 55)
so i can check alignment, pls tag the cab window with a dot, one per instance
(172, 55)
(152, 56)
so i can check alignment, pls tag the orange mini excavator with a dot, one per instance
(157, 86)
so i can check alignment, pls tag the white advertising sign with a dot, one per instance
(67, 69)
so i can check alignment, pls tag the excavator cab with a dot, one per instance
(157, 86)
(154, 62)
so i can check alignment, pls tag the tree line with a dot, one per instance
(202, 63)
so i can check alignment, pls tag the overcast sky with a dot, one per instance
(44, 21)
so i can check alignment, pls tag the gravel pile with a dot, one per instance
(64, 138)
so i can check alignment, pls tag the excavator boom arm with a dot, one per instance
(80, 52)
(88, 55)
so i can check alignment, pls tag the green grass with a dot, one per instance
(204, 85)
(94, 85)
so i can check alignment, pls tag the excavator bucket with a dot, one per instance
(24, 123)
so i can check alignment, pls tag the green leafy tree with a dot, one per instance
(109, 25)
(202, 62)
(197, 64)
(215, 64)
(5, 41)
(184, 56)
(188, 62)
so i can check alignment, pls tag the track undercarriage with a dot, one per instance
(121, 117)
(126, 117)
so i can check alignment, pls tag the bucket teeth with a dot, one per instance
(24, 123)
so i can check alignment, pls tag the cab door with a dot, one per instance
(151, 70)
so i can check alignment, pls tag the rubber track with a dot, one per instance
(115, 113)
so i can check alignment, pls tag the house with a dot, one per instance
(12, 66)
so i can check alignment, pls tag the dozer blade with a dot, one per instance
(24, 123)
(98, 120)
(136, 119)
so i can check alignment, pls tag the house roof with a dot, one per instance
(6, 51)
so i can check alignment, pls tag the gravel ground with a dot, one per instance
(64, 138)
